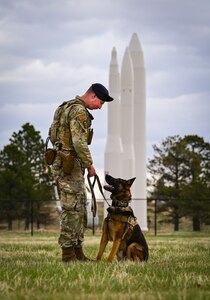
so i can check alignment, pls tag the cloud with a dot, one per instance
(38, 115)
(53, 50)
(181, 115)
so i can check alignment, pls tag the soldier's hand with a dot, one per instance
(91, 171)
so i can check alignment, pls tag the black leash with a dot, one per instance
(91, 185)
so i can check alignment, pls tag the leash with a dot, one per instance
(91, 185)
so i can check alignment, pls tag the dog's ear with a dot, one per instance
(130, 181)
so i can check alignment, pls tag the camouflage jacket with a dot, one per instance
(72, 131)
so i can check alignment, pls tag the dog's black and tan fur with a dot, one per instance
(120, 225)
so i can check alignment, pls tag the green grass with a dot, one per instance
(31, 268)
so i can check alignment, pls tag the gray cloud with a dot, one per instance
(52, 50)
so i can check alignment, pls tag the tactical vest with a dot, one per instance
(59, 131)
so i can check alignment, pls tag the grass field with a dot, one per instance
(31, 268)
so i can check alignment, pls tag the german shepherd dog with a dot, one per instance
(120, 225)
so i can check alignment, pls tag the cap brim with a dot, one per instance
(109, 99)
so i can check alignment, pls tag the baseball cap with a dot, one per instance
(101, 92)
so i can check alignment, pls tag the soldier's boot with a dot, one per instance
(80, 254)
(68, 254)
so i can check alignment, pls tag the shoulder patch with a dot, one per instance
(82, 116)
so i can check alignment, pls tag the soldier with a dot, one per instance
(70, 134)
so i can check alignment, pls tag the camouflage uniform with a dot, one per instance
(75, 122)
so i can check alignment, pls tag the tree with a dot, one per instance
(37, 182)
(22, 165)
(180, 176)
(11, 178)
(195, 191)
(167, 173)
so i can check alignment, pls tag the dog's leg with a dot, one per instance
(114, 250)
(135, 252)
(104, 241)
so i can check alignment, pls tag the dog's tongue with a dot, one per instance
(108, 187)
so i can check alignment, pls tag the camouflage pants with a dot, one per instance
(73, 199)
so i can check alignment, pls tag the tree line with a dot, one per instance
(24, 183)
(179, 178)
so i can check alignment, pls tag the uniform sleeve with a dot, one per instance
(78, 127)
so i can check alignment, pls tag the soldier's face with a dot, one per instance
(95, 103)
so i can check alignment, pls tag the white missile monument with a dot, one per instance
(125, 153)
(114, 150)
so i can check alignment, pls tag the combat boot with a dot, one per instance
(68, 254)
(80, 254)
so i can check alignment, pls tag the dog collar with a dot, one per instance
(120, 203)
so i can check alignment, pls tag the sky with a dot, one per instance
(51, 51)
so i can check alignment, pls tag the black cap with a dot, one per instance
(101, 92)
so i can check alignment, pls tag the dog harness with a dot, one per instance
(123, 215)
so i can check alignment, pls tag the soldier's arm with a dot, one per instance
(78, 127)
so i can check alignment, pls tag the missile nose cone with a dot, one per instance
(127, 71)
(114, 57)
(136, 51)
(135, 43)
(114, 77)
